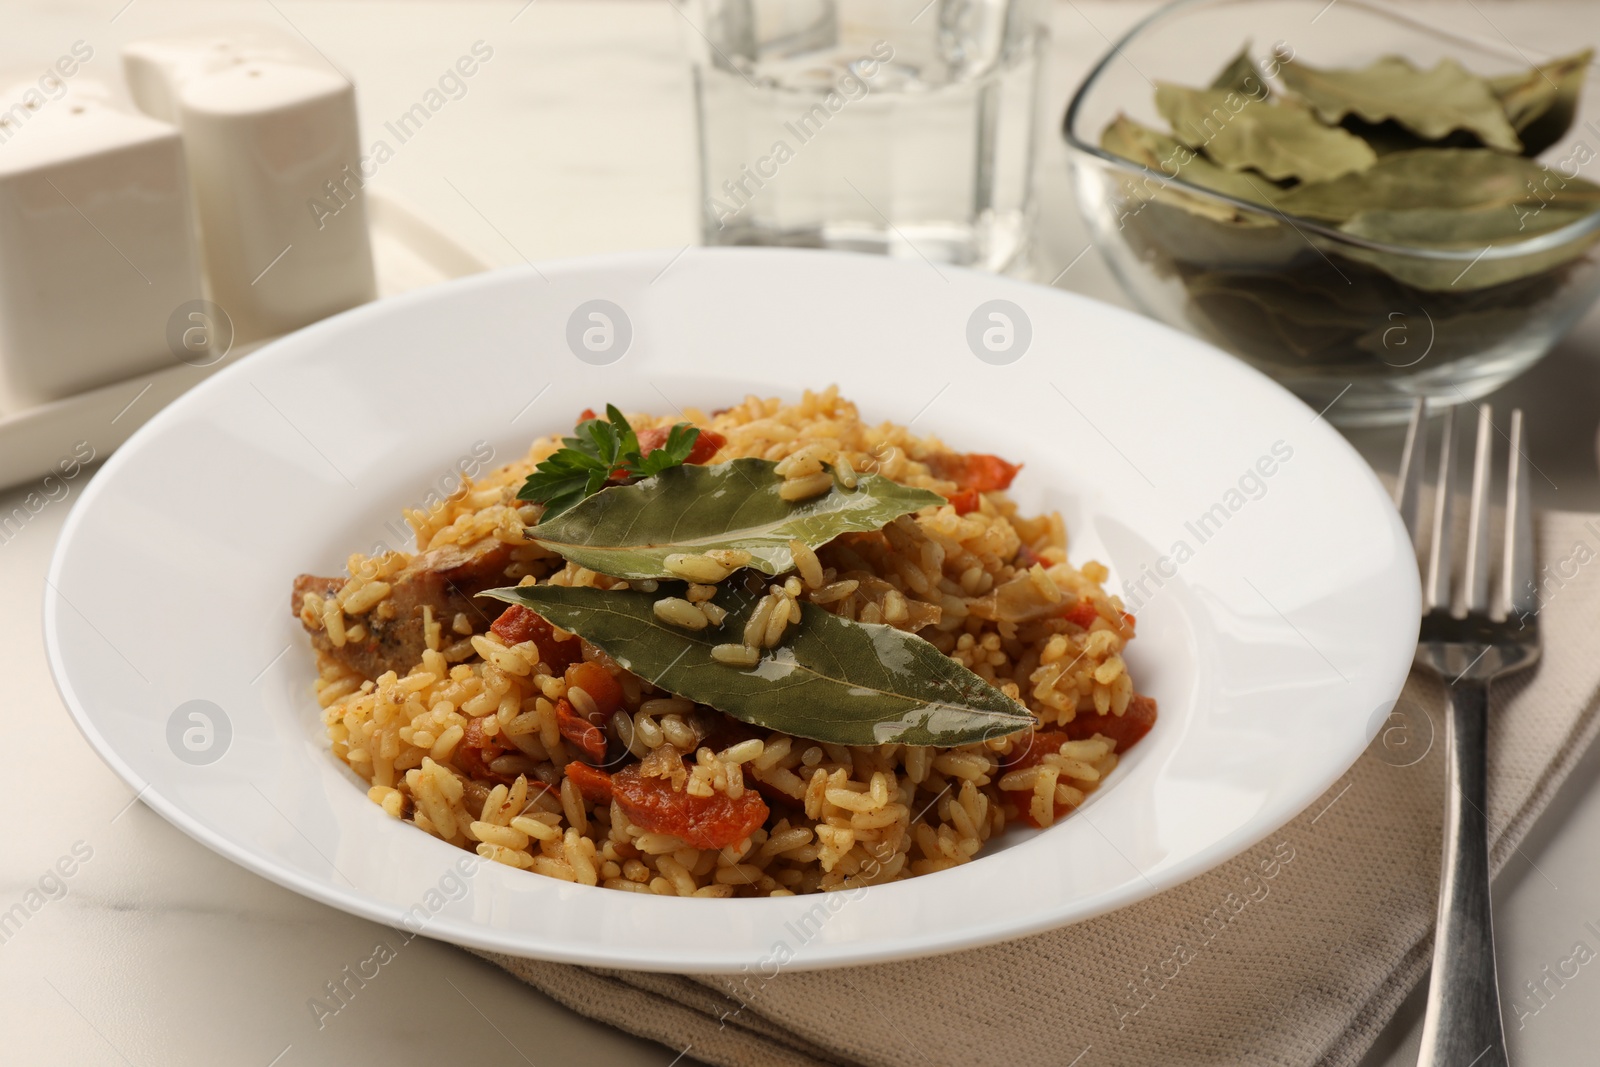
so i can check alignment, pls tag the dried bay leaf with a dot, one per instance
(1464, 231)
(628, 531)
(1431, 103)
(1278, 140)
(1440, 178)
(1468, 333)
(1166, 233)
(1541, 103)
(1460, 228)
(1168, 158)
(831, 680)
(1389, 136)
(1241, 75)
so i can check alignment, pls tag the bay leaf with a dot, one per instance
(1431, 103)
(1541, 103)
(1464, 231)
(1244, 133)
(1241, 75)
(1440, 178)
(831, 680)
(1167, 158)
(1470, 333)
(1252, 322)
(1169, 236)
(1389, 136)
(627, 531)
(1460, 228)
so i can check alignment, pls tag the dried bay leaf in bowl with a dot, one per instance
(1241, 75)
(1466, 333)
(1439, 179)
(1241, 132)
(1340, 313)
(1464, 231)
(1430, 103)
(1183, 237)
(1249, 322)
(1168, 159)
(1388, 137)
(1542, 102)
(1415, 162)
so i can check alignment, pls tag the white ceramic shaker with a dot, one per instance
(271, 139)
(97, 246)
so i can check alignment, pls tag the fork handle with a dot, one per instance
(1463, 1022)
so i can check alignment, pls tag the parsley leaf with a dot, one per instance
(599, 452)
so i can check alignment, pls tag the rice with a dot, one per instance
(467, 746)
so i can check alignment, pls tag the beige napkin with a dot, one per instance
(1304, 967)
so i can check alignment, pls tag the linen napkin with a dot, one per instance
(1229, 968)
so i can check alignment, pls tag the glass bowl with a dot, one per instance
(1356, 326)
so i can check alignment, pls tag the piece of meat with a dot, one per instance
(652, 804)
(445, 579)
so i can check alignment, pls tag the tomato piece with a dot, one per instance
(715, 821)
(517, 624)
(589, 738)
(602, 688)
(706, 445)
(986, 473)
(586, 414)
(1083, 613)
(1041, 744)
(651, 439)
(593, 784)
(965, 501)
(1125, 729)
(476, 750)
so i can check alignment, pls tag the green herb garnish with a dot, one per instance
(600, 452)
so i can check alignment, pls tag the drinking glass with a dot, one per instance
(899, 127)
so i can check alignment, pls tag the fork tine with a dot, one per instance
(1408, 487)
(1437, 593)
(1516, 572)
(1476, 582)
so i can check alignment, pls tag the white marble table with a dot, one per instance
(575, 138)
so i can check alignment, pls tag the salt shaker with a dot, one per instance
(271, 140)
(97, 243)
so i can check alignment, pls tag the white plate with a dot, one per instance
(1273, 651)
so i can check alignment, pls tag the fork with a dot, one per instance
(1467, 649)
